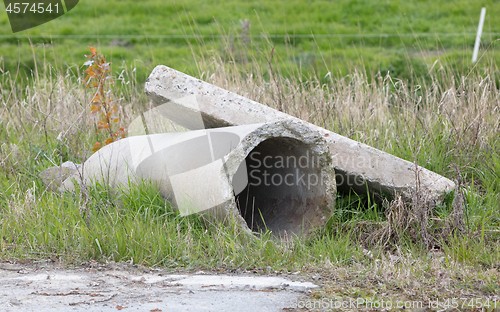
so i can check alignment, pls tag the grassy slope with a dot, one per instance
(154, 17)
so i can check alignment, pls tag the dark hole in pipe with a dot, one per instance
(350, 186)
(285, 186)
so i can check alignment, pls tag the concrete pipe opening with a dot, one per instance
(287, 189)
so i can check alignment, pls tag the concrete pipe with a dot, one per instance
(276, 175)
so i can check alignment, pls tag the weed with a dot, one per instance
(102, 106)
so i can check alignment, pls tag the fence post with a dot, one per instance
(478, 36)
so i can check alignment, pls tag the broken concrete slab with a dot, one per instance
(357, 165)
(216, 171)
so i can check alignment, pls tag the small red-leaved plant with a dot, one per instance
(102, 108)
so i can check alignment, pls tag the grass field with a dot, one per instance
(415, 31)
(445, 116)
(367, 250)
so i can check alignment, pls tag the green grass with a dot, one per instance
(187, 19)
(139, 226)
(444, 117)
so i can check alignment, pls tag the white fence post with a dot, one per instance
(478, 36)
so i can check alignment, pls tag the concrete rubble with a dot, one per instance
(357, 166)
(53, 177)
(228, 160)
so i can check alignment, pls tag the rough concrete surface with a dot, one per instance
(185, 98)
(47, 287)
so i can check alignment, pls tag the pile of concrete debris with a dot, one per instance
(229, 156)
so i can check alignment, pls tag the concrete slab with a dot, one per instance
(83, 289)
(356, 165)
